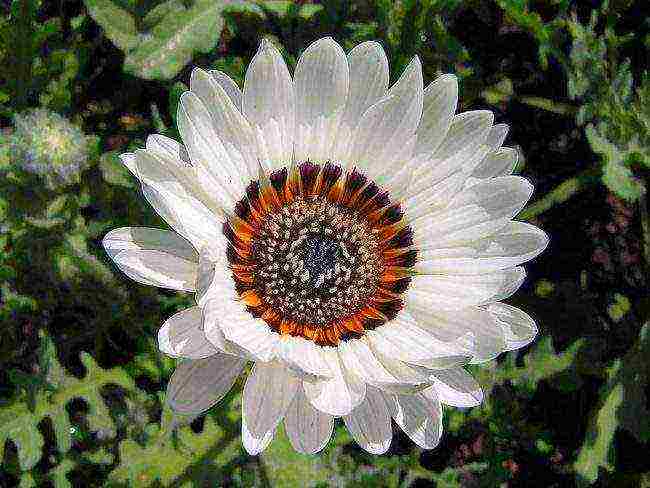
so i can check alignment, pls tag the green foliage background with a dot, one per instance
(81, 379)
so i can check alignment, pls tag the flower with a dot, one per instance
(353, 241)
(47, 144)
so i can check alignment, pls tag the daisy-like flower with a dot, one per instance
(352, 240)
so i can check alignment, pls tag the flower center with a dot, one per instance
(319, 255)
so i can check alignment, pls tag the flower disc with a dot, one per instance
(319, 254)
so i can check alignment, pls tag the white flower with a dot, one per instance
(353, 240)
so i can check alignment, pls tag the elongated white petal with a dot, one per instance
(440, 100)
(128, 160)
(252, 335)
(337, 395)
(489, 340)
(182, 210)
(303, 356)
(437, 181)
(454, 292)
(496, 136)
(182, 336)
(213, 312)
(369, 423)
(321, 84)
(230, 126)
(518, 327)
(455, 387)
(385, 126)
(308, 429)
(229, 86)
(512, 245)
(219, 171)
(402, 339)
(419, 416)
(153, 257)
(268, 104)
(498, 163)
(369, 78)
(358, 357)
(197, 384)
(252, 443)
(475, 213)
(173, 160)
(268, 392)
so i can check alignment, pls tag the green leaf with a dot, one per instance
(622, 405)
(176, 38)
(118, 24)
(19, 422)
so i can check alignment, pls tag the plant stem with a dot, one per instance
(645, 227)
(563, 192)
(548, 105)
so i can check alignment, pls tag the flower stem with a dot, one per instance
(563, 192)
(645, 227)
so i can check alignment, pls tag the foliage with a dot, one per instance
(81, 379)
(159, 41)
(617, 115)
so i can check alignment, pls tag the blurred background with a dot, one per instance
(81, 379)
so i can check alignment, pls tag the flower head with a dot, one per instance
(353, 240)
(47, 144)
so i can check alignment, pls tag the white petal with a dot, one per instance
(454, 292)
(385, 126)
(437, 181)
(369, 78)
(226, 318)
(254, 444)
(182, 336)
(514, 244)
(440, 100)
(498, 163)
(455, 387)
(402, 339)
(496, 136)
(359, 358)
(369, 423)
(321, 87)
(197, 384)
(249, 333)
(182, 210)
(488, 337)
(153, 257)
(519, 328)
(412, 378)
(467, 131)
(337, 395)
(309, 430)
(476, 212)
(268, 392)
(303, 356)
(230, 125)
(172, 159)
(268, 98)
(213, 311)
(229, 86)
(128, 160)
(219, 173)
(419, 416)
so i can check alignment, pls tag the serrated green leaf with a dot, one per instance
(19, 423)
(118, 24)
